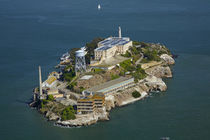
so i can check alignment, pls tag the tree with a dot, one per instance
(136, 94)
(68, 113)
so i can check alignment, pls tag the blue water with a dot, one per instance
(37, 32)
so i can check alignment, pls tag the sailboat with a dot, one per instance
(99, 7)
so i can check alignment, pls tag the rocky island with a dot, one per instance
(106, 73)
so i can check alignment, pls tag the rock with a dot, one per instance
(155, 84)
(168, 59)
(85, 119)
(109, 102)
(159, 71)
(53, 117)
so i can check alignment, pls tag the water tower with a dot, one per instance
(80, 64)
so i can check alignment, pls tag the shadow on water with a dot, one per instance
(26, 102)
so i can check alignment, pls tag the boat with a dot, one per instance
(99, 7)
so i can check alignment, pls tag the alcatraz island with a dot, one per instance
(106, 73)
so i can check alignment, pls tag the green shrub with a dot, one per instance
(71, 86)
(43, 103)
(97, 71)
(69, 75)
(90, 46)
(68, 113)
(151, 55)
(136, 94)
(114, 76)
(50, 98)
(144, 60)
(134, 50)
(125, 63)
(139, 73)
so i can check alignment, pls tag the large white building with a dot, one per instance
(111, 46)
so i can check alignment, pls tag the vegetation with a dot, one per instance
(127, 54)
(72, 54)
(114, 76)
(134, 50)
(136, 43)
(68, 113)
(50, 98)
(136, 94)
(144, 60)
(151, 54)
(43, 104)
(81, 89)
(90, 48)
(126, 63)
(71, 86)
(151, 51)
(139, 73)
(69, 73)
(98, 71)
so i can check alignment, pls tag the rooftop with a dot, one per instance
(110, 84)
(112, 41)
(51, 79)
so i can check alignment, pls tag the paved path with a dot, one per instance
(138, 61)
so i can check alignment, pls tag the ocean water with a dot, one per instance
(37, 32)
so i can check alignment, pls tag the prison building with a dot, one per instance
(110, 46)
(85, 105)
(91, 103)
(99, 100)
(111, 86)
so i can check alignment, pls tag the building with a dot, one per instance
(91, 103)
(111, 86)
(111, 46)
(50, 82)
(55, 93)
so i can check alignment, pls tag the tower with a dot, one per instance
(120, 34)
(40, 82)
(80, 64)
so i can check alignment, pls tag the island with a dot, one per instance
(92, 80)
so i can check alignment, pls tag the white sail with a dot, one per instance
(99, 7)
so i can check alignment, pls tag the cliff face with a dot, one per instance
(159, 71)
(87, 119)
(168, 59)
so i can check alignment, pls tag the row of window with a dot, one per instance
(119, 88)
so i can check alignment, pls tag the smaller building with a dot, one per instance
(91, 103)
(50, 82)
(111, 86)
(55, 92)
